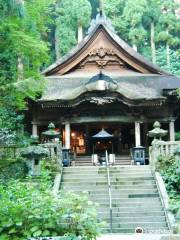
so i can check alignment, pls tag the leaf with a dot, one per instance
(46, 233)
(13, 230)
(37, 233)
(34, 229)
(19, 224)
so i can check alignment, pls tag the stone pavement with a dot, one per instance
(139, 237)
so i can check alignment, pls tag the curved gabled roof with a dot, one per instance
(101, 23)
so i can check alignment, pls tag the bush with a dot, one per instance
(177, 136)
(168, 167)
(28, 209)
(12, 168)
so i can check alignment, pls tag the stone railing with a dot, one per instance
(11, 151)
(161, 148)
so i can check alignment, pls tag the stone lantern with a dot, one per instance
(34, 154)
(157, 132)
(51, 134)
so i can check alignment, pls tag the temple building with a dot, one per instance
(103, 83)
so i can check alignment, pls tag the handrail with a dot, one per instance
(162, 201)
(58, 177)
(109, 190)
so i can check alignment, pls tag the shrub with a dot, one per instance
(168, 167)
(177, 135)
(28, 209)
(12, 168)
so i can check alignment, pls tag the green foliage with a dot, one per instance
(23, 51)
(28, 209)
(132, 21)
(68, 19)
(174, 63)
(12, 168)
(168, 168)
(177, 136)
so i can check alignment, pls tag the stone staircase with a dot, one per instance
(83, 161)
(86, 160)
(135, 198)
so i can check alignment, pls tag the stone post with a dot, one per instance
(171, 131)
(137, 134)
(67, 135)
(34, 130)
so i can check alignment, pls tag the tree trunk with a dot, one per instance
(57, 39)
(80, 33)
(20, 69)
(57, 45)
(168, 61)
(153, 46)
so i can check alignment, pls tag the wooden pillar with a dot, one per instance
(171, 130)
(137, 134)
(67, 135)
(145, 132)
(87, 143)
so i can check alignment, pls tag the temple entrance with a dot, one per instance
(82, 142)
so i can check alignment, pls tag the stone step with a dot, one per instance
(136, 204)
(127, 188)
(100, 178)
(138, 207)
(153, 230)
(95, 177)
(121, 192)
(144, 219)
(103, 185)
(104, 174)
(125, 200)
(115, 168)
(103, 168)
(122, 163)
(123, 195)
(141, 213)
(142, 224)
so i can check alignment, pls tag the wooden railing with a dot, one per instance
(161, 148)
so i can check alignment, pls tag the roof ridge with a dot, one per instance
(101, 19)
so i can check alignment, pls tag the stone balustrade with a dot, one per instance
(162, 148)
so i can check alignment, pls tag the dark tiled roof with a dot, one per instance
(132, 87)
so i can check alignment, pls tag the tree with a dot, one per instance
(174, 66)
(23, 52)
(114, 10)
(127, 19)
(150, 20)
(133, 15)
(69, 20)
(169, 27)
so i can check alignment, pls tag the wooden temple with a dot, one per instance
(103, 83)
